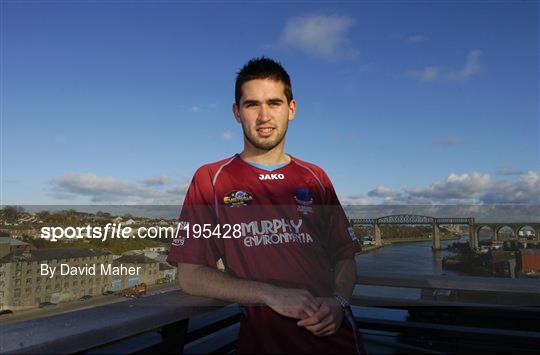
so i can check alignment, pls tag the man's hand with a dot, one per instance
(327, 319)
(292, 302)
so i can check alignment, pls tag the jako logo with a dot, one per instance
(271, 176)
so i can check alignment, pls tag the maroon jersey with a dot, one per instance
(284, 227)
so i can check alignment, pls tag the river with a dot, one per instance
(416, 258)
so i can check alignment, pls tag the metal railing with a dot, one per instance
(174, 322)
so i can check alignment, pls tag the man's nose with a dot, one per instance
(263, 114)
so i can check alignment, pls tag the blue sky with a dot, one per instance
(400, 102)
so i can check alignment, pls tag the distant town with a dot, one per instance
(26, 260)
(37, 273)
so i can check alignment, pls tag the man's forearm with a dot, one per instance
(219, 285)
(208, 282)
(345, 277)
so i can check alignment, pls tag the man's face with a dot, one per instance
(264, 113)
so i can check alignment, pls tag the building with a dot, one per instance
(148, 271)
(530, 260)
(26, 279)
(503, 263)
(156, 249)
(10, 245)
(167, 273)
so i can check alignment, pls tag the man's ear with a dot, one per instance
(235, 112)
(292, 110)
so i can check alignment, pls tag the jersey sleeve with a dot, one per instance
(340, 233)
(197, 211)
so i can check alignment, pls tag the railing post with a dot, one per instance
(174, 338)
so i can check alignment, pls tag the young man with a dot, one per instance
(277, 225)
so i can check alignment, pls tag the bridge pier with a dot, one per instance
(436, 237)
(378, 239)
(473, 237)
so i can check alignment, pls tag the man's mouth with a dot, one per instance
(265, 131)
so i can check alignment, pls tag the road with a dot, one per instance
(70, 306)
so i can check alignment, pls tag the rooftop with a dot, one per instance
(52, 254)
(134, 259)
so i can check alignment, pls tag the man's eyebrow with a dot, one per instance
(255, 102)
(249, 102)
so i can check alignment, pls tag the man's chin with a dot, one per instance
(266, 144)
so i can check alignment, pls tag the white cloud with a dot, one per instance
(357, 200)
(426, 74)
(227, 135)
(508, 171)
(472, 67)
(381, 191)
(324, 36)
(432, 73)
(525, 190)
(107, 189)
(455, 187)
(157, 180)
(198, 107)
(463, 189)
(416, 39)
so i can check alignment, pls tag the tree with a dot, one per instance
(10, 212)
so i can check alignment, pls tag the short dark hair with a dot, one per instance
(262, 68)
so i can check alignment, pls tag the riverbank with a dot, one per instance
(390, 241)
(367, 249)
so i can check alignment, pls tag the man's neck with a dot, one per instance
(268, 157)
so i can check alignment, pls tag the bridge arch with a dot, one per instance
(487, 228)
(527, 228)
(504, 232)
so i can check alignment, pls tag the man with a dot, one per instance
(288, 252)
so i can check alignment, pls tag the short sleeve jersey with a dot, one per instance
(284, 227)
